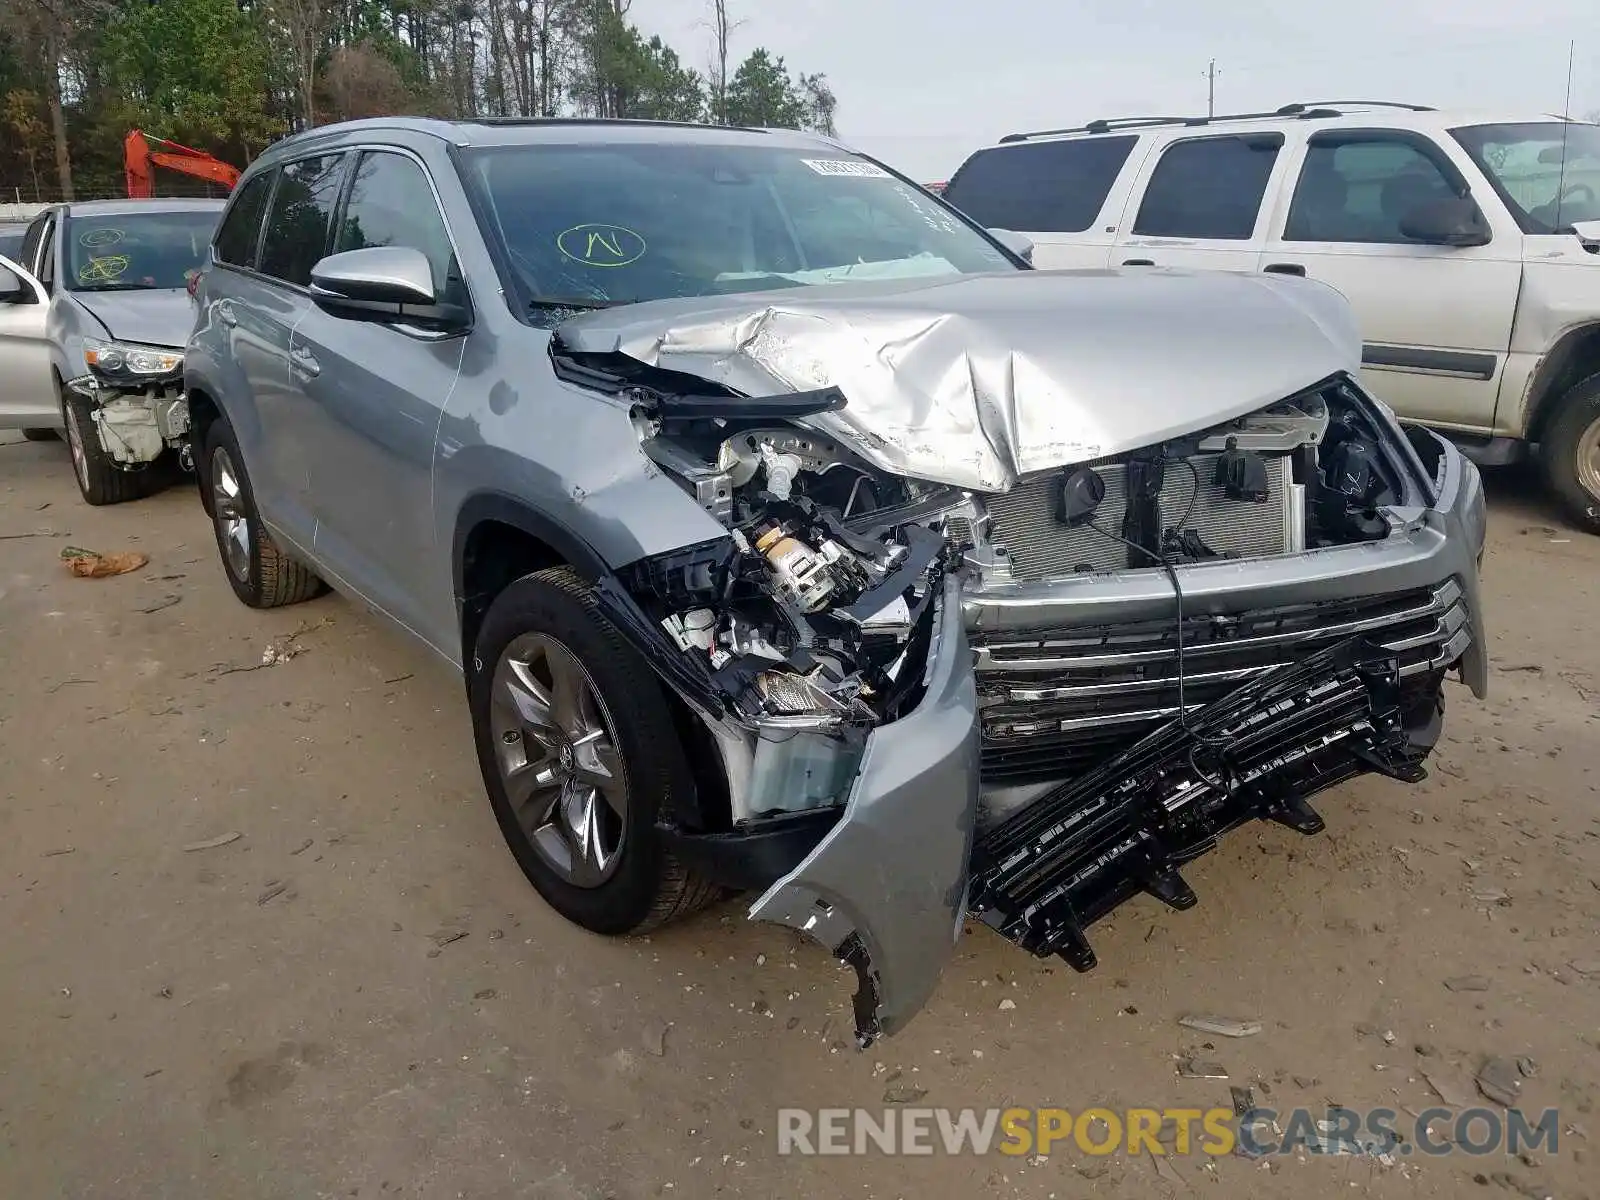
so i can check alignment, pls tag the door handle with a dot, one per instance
(1285, 269)
(226, 315)
(304, 361)
(1138, 262)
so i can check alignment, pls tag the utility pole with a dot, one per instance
(1211, 88)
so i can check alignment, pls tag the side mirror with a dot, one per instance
(1019, 244)
(384, 283)
(392, 276)
(1455, 221)
(1588, 233)
(12, 289)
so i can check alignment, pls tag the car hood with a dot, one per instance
(976, 380)
(160, 317)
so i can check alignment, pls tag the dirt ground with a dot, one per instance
(359, 995)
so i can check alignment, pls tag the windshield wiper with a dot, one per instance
(556, 304)
(122, 287)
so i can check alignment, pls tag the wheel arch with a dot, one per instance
(204, 412)
(499, 539)
(1574, 357)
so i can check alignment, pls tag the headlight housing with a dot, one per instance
(124, 362)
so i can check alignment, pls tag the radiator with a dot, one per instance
(1039, 546)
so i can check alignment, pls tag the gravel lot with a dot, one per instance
(293, 1013)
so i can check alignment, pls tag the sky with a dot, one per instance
(923, 83)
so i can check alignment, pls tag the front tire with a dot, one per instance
(1571, 452)
(580, 756)
(261, 574)
(100, 480)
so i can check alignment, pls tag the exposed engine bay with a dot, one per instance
(806, 617)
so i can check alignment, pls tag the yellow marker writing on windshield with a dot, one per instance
(103, 270)
(599, 245)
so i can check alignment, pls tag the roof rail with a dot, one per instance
(1317, 110)
(1359, 104)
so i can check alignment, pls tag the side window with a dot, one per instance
(1209, 188)
(391, 204)
(298, 218)
(1361, 189)
(1040, 187)
(240, 231)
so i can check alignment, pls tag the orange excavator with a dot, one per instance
(140, 161)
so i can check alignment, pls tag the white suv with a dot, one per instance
(1469, 247)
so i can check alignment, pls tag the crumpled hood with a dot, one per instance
(976, 380)
(151, 318)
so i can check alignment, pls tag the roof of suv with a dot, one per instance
(1332, 114)
(555, 131)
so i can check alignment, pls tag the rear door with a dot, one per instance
(1201, 204)
(28, 398)
(266, 305)
(376, 393)
(1435, 320)
(1058, 192)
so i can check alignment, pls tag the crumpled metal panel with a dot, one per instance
(976, 380)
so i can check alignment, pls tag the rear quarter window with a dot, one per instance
(1040, 187)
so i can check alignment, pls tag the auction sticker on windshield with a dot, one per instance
(852, 167)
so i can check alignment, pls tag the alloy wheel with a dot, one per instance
(227, 506)
(1588, 464)
(556, 749)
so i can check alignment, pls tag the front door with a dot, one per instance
(377, 395)
(1435, 320)
(28, 397)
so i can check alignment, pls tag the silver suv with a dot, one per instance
(793, 536)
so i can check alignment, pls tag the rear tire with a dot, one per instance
(260, 572)
(1570, 449)
(100, 480)
(40, 435)
(635, 884)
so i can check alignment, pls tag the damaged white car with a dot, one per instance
(92, 325)
(794, 537)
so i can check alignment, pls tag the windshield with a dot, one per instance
(1548, 172)
(136, 250)
(622, 223)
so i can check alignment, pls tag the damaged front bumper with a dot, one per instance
(1317, 697)
(885, 890)
(135, 423)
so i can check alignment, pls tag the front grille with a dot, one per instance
(1056, 702)
(1039, 546)
(1051, 869)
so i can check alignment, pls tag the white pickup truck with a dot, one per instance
(1469, 247)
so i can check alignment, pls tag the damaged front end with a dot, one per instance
(1028, 681)
(821, 645)
(136, 399)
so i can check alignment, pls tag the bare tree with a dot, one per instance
(305, 24)
(721, 29)
(360, 82)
